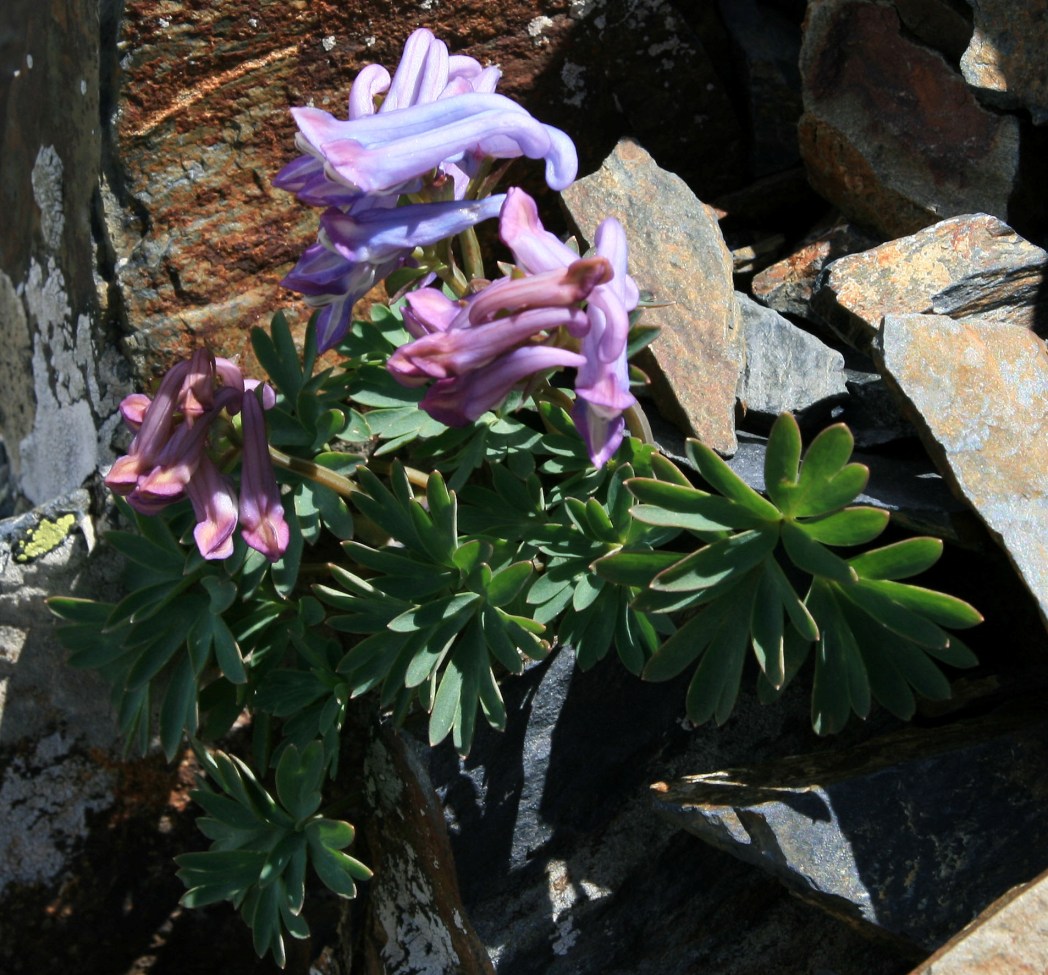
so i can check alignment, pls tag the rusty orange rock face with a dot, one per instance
(959, 267)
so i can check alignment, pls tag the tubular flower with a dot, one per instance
(479, 349)
(602, 383)
(424, 131)
(168, 459)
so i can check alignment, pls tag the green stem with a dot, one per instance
(472, 259)
(321, 475)
(637, 424)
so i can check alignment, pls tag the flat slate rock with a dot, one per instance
(787, 369)
(978, 393)
(914, 833)
(968, 265)
(677, 253)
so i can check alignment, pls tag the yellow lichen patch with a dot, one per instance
(44, 537)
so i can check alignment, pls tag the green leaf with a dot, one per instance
(457, 606)
(782, 460)
(768, 630)
(714, 686)
(852, 526)
(724, 480)
(278, 356)
(899, 561)
(730, 557)
(812, 557)
(938, 607)
(178, 709)
(633, 568)
(896, 617)
(86, 611)
(298, 778)
(507, 583)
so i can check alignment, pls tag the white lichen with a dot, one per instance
(328, 43)
(537, 28)
(47, 193)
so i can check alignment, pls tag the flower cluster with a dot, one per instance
(168, 460)
(423, 133)
(562, 312)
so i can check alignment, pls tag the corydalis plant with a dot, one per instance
(452, 496)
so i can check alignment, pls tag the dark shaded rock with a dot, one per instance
(968, 265)
(787, 285)
(915, 833)
(978, 394)
(1004, 62)
(651, 52)
(786, 370)
(872, 411)
(1011, 935)
(59, 380)
(944, 25)
(677, 253)
(891, 134)
(564, 869)
(768, 45)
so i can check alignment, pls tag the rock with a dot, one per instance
(914, 833)
(940, 24)
(1011, 935)
(891, 134)
(787, 285)
(978, 391)
(871, 411)
(42, 553)
(651, 52)
(964, 266)
(786, 370)
(1004, 61)
(415, 921)
(563, 868)
(677, 253)
(60, 380)
(768, 44)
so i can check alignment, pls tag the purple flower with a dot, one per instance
(465, 398)
(423, 132)
(390, 153)
(602, 383)
(168, 458)
(261, 514)
(501, 318)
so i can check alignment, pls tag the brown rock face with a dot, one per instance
(202, 125)
(971, 265)
(891, 134)
(978, 392)
(678, 254)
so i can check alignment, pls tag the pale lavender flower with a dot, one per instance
(215, 506)
(497, 320)
(434, 121)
